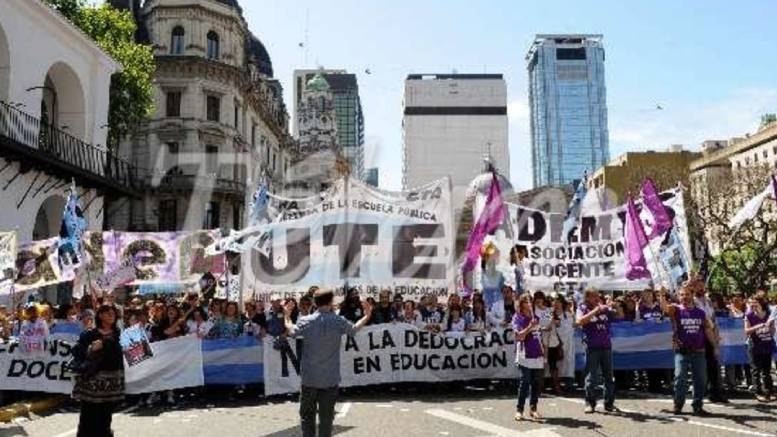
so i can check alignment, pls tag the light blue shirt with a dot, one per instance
(322, 334)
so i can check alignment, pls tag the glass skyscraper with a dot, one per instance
(568, 107)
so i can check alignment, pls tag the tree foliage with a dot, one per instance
(768, 118)
(131, 94)
(747, 258)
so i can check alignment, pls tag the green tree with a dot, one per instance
(131, 94)
(768, 118)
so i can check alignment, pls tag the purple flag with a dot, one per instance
(662, 222)
(635, 243)
(490, 219)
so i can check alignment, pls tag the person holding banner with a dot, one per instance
(102, 388)
(697, 287)
(691, 329)
(759, 327)
(322, 334)
(595, 319)
(529, 356)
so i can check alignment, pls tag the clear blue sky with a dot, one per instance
(710, 64)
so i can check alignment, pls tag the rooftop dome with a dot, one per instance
(258, 54)
(317, 83)
(231, 4)
(482, 183)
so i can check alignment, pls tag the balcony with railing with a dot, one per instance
(36, 145)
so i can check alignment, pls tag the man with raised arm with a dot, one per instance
(321, 334)
(692, 330)
(594, 317)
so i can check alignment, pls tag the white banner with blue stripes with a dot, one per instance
(648, 345)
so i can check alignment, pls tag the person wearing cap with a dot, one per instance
(322, 334)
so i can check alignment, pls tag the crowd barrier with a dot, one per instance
(189, 361)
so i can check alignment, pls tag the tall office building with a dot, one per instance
(348, 107)
(451, 121)
(568, 104)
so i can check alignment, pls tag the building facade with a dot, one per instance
(372, 176)
(450, 122)
(348, 108)
(220, 125)
(568, 107)
(320, 159)
(728, 174)
(54, 99)
(624, 174)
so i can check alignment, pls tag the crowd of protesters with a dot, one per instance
(557, 314)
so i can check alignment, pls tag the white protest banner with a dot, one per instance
(595, 255)
(37, 264)
(176, 363)
(7, 260)
(42, 371)
(400, 353)
(357, 235)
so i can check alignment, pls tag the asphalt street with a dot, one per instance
(454, 410)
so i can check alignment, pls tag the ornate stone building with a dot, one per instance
(220, 124)
(320, 159)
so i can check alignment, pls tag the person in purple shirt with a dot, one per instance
(759, 328)
(529, 356)
(595, 319)
(691, 329)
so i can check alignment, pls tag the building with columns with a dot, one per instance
(220, 124)
(54, 92)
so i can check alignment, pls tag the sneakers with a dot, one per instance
(589, 409)
(535, 416)
(762, 398)
(519, 416)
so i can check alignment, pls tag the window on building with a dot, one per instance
(755, 158)
(173, 104)
(212, 216)
(211, 159)
(253, 134)
(213, 108)
(176, 41)
(213, 45)
(237, 215)
(237, 115)
(274, 161)
(566, 54)
(766, 154)
(168, 215)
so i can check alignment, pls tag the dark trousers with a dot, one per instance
(713, 373)
(321, 401)
(528, 387)
(598, 364)
(95, 419)
(761, 365)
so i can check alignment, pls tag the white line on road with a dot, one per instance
(490, 428)
(679, 419)
(344, 409)
(74, 430)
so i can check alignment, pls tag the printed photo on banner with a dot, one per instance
(135, 345)
(7, 260)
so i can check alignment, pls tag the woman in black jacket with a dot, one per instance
(101, 388)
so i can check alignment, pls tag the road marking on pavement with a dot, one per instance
(490, 428)
(74, 430)
(720, 427)
(344, 409)
(679, 419)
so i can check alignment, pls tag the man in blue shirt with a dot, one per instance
(321, 334)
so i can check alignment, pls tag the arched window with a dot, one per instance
(176, 42)
(213, 45)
